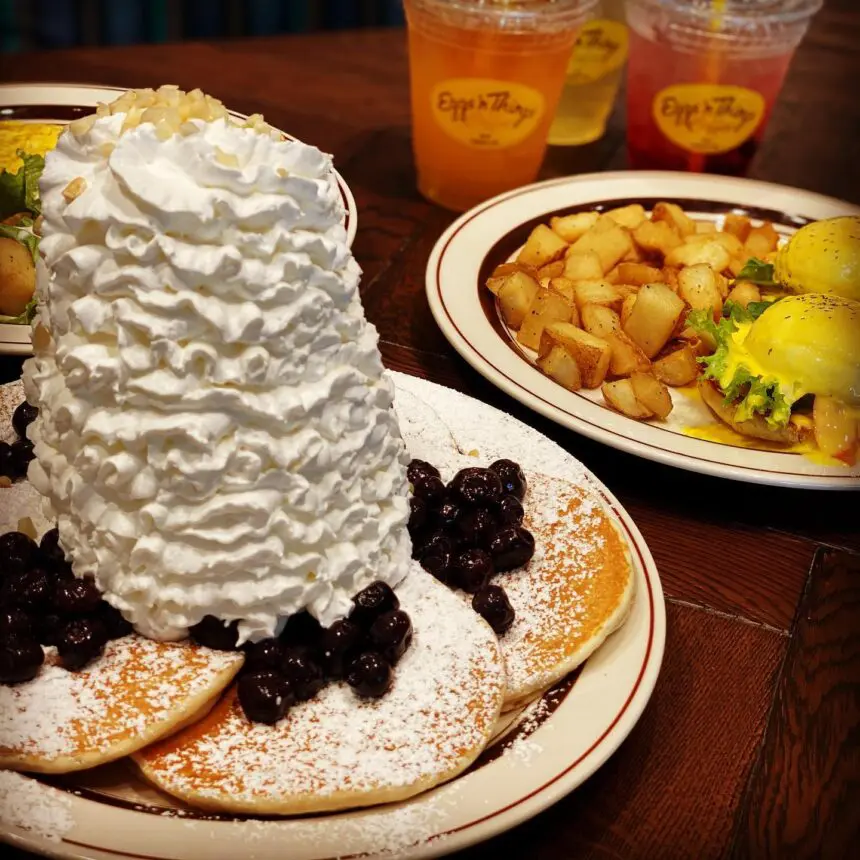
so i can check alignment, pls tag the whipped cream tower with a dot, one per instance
(216, 433)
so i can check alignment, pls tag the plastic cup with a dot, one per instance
(485, 79)
(703, 77)
(594, 75)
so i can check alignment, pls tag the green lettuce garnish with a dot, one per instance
(750, 393)
(19, 192)
(758, 272)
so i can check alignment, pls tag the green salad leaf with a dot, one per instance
(19, 192)
(750, 393)
(758, 272)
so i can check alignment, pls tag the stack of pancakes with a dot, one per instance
(172, 707)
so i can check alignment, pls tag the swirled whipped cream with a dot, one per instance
(216, 433)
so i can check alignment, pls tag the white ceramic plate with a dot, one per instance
(61, 103)
(494, 231)
(548, 750)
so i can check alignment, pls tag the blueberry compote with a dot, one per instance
(362, 650)
(15, 457)
(43, 603)
(469, 530)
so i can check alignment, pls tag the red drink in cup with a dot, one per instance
(703, 77)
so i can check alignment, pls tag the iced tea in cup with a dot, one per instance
(485, 77)
(703, 77)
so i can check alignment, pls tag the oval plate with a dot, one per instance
(493, 232)
(61, 103)
(539, 754)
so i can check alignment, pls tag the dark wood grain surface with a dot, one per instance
(751, 744)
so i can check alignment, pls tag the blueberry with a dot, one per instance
(23, 417)
(214, 633)
(21, 657)
(511, 511)
(371, 602)
(512, 547)
(477, 487)
(80, 641)
(265, 696)
(76, 597)
(512, 477)
(17, 552)
(492, 604)
(302, 670)
(370, 675)
(472, 570)
(340, 643)
(265, 655)
(391, 634)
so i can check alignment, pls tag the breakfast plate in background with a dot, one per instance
(60, 104)
(690, 437)
(541, 750)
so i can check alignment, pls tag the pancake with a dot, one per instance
(337, 751)
(576, 590)
(137, 692)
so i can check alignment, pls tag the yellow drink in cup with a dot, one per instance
(594, 74)
(485, 76)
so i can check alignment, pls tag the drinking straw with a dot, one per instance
(710, 70)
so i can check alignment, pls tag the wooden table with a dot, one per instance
(751, 743)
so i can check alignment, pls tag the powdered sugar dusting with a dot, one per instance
(472, 426)
(131, 690)
(436, 717)
(33, 806)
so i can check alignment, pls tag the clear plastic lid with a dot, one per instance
(511, 15)
(746, 26)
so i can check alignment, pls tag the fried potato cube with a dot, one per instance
(634, 255)
(711, 253)
(516, 296)
(591, 353)
(560, 365)
(678, 367)
(656, 237)
(673, 214)
(610, 243)
(552, 270)
(731, 243)
(654, 316)
(597, 293)
(571, 227)
(706, 227)
(564, 287)
(542, 246)
(548, 307)
(637, 274)
(599, 320)
(501, 272)
(761, 240)
(583, 267)
(627, 356)
(651, 393)
(737, 225)
(627, 216)
(611, 277)
(622, 398)
(627, 308)
(744, 292)
(697, 286)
